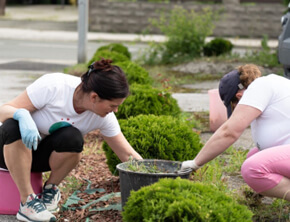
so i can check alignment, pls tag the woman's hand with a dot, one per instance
(188, 165)
(28, 130)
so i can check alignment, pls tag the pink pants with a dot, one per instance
(263, 170)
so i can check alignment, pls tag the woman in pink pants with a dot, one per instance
(262, 102)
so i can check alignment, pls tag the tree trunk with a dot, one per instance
(2, 7)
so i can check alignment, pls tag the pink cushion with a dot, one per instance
(217, 110)
(9, 194)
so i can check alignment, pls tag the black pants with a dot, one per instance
(66, 139)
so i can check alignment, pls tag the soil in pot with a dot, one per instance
(136, 174)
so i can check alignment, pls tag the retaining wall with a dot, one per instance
(237, 20)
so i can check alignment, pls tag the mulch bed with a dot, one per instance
(93, 168)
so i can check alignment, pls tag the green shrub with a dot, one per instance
(181, 200)
(217, 46)
(264, 57)
(144, 99)
(135, 73)
(77, 69)
(106, 54)
(185, 31)
(157, 137)
(116, 47)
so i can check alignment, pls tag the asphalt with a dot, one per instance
(58, 23)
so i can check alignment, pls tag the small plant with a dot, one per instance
(116, 47)
(106, 54)
(185, 31)
(182, 200)
(217, 46)
(144, 99)
(264, 57)
(135, 73)
(136, 166)
(157, 137)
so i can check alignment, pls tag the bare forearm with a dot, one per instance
(6, 112)
(22, 101)
(122, 148)
(223, 138)
(124, 156)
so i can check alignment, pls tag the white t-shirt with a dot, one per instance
(271, 95)
(52, 95)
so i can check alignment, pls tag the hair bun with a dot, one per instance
(103, 64)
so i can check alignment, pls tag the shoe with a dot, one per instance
(51, 197)
(34, 210)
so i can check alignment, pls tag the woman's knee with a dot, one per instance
(68, 139)
(10, 131)
(259, 175)
(251, 174)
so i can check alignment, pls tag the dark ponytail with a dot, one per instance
(108, 81)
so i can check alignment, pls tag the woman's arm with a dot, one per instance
(227, 134)
(22, 101)
(121, 147)
(19, 109)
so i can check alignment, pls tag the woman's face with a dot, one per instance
(237, 98)
(103, 107)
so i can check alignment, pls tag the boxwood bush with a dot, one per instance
(116, 47)
(135, 73)
(181, 200)
(106, 54)
(144, 99)
(217, 46)
(157, 137)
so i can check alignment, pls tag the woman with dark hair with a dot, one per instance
(43, 130)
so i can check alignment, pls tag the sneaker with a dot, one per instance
(34, 210)
(51, 197)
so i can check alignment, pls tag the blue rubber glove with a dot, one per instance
(28, 130)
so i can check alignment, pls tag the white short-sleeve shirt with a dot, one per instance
(271, 95)
(52, 96)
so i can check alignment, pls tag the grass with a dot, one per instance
(224, 169)
(224, 173)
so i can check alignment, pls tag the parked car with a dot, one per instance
(284, 43)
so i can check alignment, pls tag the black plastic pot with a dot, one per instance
(132, 180)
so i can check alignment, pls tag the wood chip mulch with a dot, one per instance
(93, 171)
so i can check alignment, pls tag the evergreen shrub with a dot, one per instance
(106, 54)
(157, 137)
(181, 200)
(116, 47)
(144, 99)
(217, 46)
(135, 73)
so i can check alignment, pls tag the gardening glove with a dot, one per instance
(188, 165)
(28, 130)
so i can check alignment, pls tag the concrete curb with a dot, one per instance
(29, 34)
